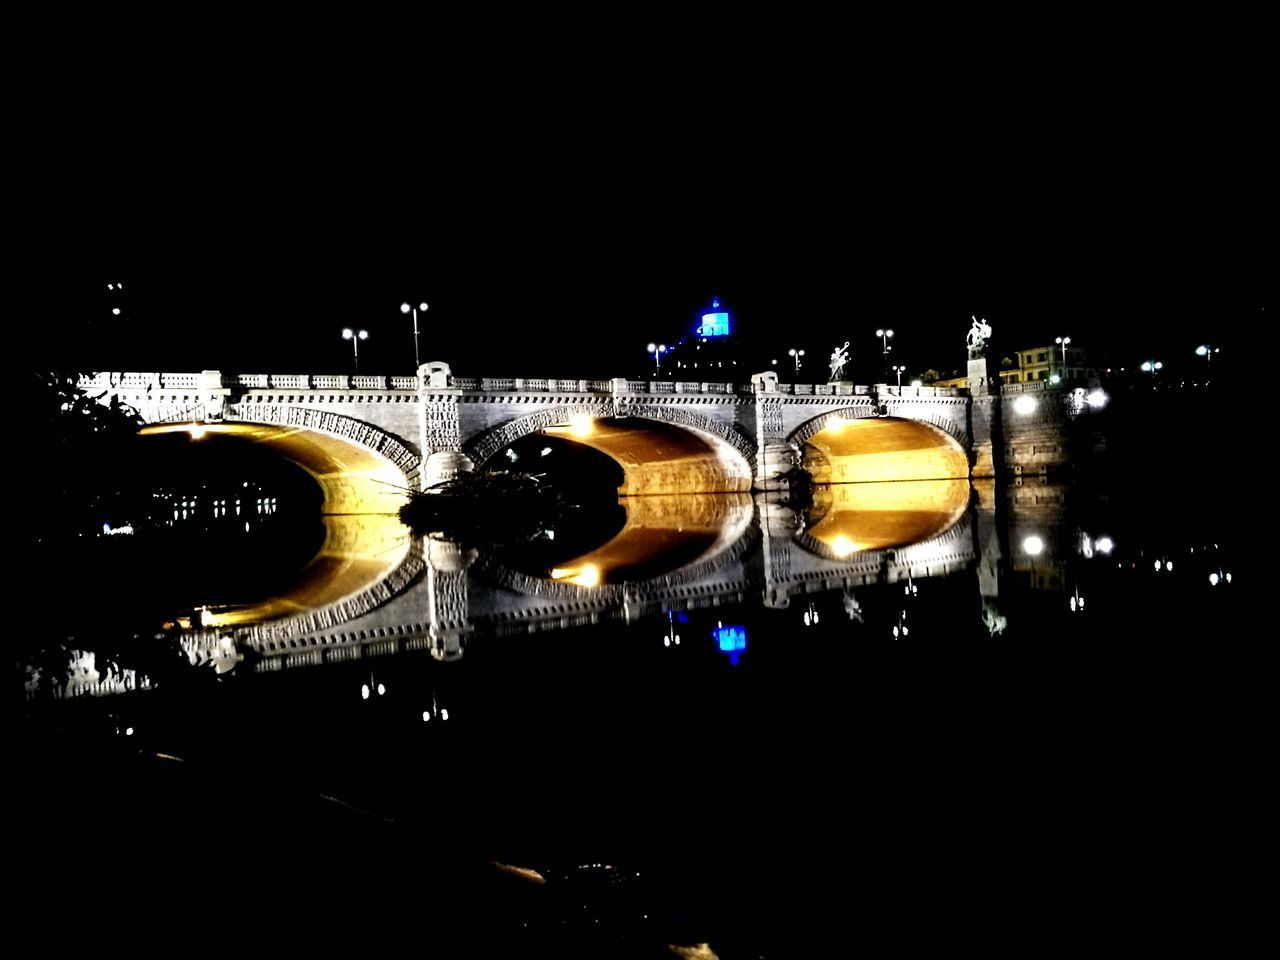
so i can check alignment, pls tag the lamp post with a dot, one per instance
(885, 335)
(796, 355)
(1206, 351)
(1064, 341)
(355, 336)
(657, 349)
(899, 370)
(409, 308)
(1152, 367)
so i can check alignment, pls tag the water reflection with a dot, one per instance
(848, 518)
(661, 534)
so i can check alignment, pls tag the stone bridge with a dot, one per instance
(365, 439)
(668, 436)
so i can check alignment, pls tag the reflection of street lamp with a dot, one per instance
(355, 336)
(1206, 351)
(884, 336)
(406, 308)
(370, 688)
(1152, 367)
(811, 615)
(657, 349)
(435, 711)
(671, 637)
(796, 355)
(899, 370)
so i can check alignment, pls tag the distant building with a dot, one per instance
(1035, 364)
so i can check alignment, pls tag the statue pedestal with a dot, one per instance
(980, 384)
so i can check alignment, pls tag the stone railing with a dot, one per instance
(1036, 386)
(263, 381)
(255, 381)
(892, 391)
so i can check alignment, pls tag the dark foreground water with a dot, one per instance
(1063, 748)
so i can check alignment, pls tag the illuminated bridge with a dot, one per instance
(373, 588)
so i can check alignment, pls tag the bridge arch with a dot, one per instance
(855, 445)
(365, 545)
(695, 455)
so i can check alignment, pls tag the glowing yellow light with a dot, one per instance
(206, 618)
(197, 431)
(842, 546)
(580, 425)
(588, 575)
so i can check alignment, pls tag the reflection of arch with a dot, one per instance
(698, 456)
(364, 542)
(852, 520)
(572, 597)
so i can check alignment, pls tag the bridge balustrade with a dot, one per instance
(369, 383)
(290, 382)
(175, 381)
(404, 383)
(329, 383)
(259, 380)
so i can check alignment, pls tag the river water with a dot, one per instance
(1006, 726)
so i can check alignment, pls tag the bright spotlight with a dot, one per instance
(1033, 546)
(1105, 545)
(1024, 406)
(405, 308)
(1096, 399)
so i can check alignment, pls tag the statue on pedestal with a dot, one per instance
(979, 334)
(839, 357)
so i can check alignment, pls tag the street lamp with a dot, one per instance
(1064, 341)
(884, 336)
(796, 355)
(657, 349)
(1206, 351)
(407, 308)
(355, 336)
(1152, 367)
(899, 370)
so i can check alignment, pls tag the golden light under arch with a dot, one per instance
(660, 458)
(364, 539)
(880, 449)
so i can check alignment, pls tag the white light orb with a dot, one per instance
(1024, 406)
(1033, 545)
(405, 308)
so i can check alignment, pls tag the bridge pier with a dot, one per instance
(440, 434)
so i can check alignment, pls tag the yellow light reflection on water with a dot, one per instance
(364, 538)
(851, 517)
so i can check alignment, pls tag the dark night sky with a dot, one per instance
(566, 258)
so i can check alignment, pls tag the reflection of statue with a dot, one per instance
(979, 334)
(993, 618)
(839, 357)
(852, 607)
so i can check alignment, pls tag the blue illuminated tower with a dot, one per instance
(715, 322)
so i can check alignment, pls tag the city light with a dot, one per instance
(1024, 406)
(1033, 546)
(1097, 399)
(588, 575)
(409, 308)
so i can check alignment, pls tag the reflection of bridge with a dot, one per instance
(765, 553)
